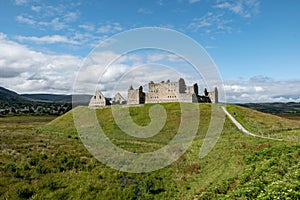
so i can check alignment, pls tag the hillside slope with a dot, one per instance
(266, 124)
(49, 97)
(8, 96)
(52, 163)
(275, 108)
(58, 98)
(11, 97)
(258, 122)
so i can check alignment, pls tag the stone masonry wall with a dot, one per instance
(98, 100)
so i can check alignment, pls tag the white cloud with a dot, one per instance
(87, 27)
(2, 36)
(110, 28)
(113, 73)
(210, 23)
(55, 23)
(262, 89)
(36, 8)
(259, 89)
(144, 11)
(94, 66)
(58, 17)
(26, 70)
(47, 39)
(22, 2)
(211, 47)
(155, 57)
(160, 2)
(244, 8)
(25, 20)
(193, 1)
(16, 59)
(49, 11)
(236, 88)
(126, 70)
(70, 17)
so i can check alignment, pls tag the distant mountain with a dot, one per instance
(49, 97)
(275, 108)
(58, 98)
(8, 96)
(292, 97)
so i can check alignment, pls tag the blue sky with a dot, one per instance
(255, 44)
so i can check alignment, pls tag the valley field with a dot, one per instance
(42, 157)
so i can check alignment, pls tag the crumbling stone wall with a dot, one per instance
(118, 99)
(171, 92)
(159, 93)
(98, 100)
(136, 96)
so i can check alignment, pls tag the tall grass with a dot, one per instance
(49, 161)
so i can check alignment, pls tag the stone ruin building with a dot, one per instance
(118, 99)
(99, 100)
(158, 93)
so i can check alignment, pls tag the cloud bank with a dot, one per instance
(26, 70)
(30, 71)
(262, 89)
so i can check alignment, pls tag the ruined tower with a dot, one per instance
(136, 96)
(214, 96)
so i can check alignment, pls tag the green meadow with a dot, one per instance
(42, 157)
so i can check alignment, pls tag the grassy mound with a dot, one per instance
(50, 162)
(140, 115)
(62, 124)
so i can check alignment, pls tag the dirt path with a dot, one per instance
(240, 127)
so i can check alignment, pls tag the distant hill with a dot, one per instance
(58, 98)
(8, 96)
(289, 110)
(48, 97)
(274, 108)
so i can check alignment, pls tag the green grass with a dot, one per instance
(49, 161)
(266, 124)
(291, 116)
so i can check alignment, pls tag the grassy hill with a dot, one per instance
(11, 97)
(49, 161)
(266, 124)
(261, 117)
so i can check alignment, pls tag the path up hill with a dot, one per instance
(265, 124)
